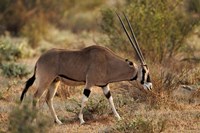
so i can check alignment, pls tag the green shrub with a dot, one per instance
(98, 105)
(159, 27)
(193, 6)
(112, 29)
(23, 120)
(8, 51)
(95, 105)
(13, 49)
(138, 125)
(14, 70)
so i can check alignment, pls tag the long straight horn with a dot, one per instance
(130, 39)
(134, 38)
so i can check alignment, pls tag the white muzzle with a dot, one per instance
(147, 86)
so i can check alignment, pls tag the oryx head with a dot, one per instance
(143, 72)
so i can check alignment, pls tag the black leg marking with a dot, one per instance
(56, 79)
(86, 92)
(103, 85)
(108, 95)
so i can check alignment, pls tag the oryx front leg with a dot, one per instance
(86, 94)
(49, 99)
(106, 91)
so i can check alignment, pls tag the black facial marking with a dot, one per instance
(135, 78)
(143, 76)
(86, 92)
(148, 78)
(108, 95)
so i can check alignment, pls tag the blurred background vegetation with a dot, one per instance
(162, 27)
(168, 32)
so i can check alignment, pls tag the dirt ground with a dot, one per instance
(153, 115)
(186, 119)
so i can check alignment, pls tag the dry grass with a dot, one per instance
(172, 107)
(141, 111)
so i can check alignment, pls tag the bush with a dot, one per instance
(13, 49)
(35, 30)
(14, 15)
(14, 70)
(23, 120)
(96, 105)
(81, 22)
(112, 30)
(138, 125)
(193, 6)
(159, 27)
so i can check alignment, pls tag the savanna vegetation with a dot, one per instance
(168, 32)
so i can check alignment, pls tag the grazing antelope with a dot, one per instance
(91, 66)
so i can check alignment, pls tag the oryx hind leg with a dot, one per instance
(106, 91)
(49, 99)
(41, 86)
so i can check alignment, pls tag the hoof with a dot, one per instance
(118, 117)
(58, 122)
(82, 122)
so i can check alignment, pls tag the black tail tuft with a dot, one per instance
(28, 84)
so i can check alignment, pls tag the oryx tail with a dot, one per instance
(29, 83)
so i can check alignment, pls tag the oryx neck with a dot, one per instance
(135, 77)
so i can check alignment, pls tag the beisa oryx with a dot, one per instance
(91, 66)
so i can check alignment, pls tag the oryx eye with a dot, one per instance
(130, 63)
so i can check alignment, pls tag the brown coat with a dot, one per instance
(94, 65)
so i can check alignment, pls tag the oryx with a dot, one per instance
(91, 66)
